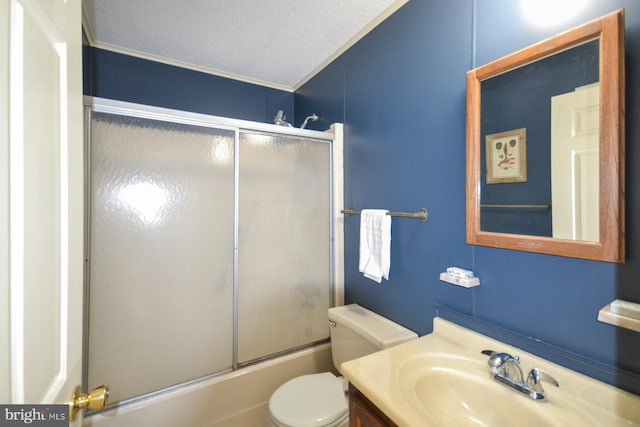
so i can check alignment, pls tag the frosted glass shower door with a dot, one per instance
(161, 253)
(284, 251)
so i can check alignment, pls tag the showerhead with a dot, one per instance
(313, 118)
(281, 120)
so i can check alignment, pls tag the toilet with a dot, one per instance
(320, 400)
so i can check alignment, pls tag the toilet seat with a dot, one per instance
(316, 400)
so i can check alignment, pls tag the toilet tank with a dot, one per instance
(356, 332)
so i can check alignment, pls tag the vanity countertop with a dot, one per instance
(443, 379)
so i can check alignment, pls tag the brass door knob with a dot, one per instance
(95, 399)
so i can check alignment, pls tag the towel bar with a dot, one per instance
(543, 206)
(422, 214)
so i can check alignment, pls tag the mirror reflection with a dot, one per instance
(545, 145)
(539, 147)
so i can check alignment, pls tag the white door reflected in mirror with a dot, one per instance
(575, 130)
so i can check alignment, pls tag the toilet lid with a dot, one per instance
(311, 400)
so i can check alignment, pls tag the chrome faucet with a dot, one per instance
(507, 366)
(535, 378)
(506, 369)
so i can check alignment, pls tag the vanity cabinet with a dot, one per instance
(363, 413)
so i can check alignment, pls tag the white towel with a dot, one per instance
(375, 244)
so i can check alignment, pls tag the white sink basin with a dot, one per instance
(443, 379)
(460, 392)
(457, 399)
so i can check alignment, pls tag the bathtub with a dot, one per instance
(235, 399)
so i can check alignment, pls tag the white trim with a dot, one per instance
(338, 219)
(16, 197)
(88, 31)
(5, 369)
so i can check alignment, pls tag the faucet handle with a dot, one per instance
(536, 376)
(498, 359)
(506, 366)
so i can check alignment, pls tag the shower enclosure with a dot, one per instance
(209, 245)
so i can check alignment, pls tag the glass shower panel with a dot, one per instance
(283, 244)
(161, 253)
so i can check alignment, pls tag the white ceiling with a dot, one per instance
(276, 43)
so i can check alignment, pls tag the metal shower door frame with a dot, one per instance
(333, 137)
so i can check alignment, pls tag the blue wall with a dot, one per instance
(401, 94)
(125, 78)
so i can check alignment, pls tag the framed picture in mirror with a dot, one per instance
(506, 156)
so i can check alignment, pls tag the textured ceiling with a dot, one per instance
(277, 43)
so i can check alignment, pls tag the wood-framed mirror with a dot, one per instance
(516, 198)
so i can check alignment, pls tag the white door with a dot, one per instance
(575, 130)
(41, 192)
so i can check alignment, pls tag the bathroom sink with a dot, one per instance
(457, 399)
(443, 379)
(459, 392)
